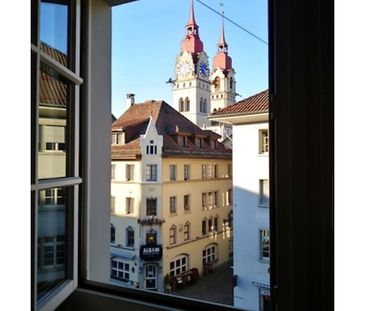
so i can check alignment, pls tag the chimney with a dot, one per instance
(130, 100)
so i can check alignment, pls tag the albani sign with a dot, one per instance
(151, 252)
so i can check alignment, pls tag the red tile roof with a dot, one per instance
(53, 87)
(257, 103)
(170, 124)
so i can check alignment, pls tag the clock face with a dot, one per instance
(183, 68)
(203, 69)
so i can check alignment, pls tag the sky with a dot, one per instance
(146, 37)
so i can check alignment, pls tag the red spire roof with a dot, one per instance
(191, 42)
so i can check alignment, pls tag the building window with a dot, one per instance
(209, 254)
(264, 192)
(151, 149)
(203, 171)
(173, 235)
(263, 141)
(210, 225)
(129, 205)
(151, 206)
(186, 231)
(187, 170)
(204, 200)
(186, 104)
(173, 205)
(204, 226)
(151, 172)
(181, 105)
(210, 200)
(113, 234)
(264, 244)
(216, 224)
(51, 146)
(151, 236)
(173, 172)
(178, 265)
(216, 83)
(130, 235)
(113, 204)
(130, 168)
(187, 203)
(205, 105)
(51, 251)
(113, 171)
(216, 199)
(230, 170)
(52, 197)
(120, 270)
(229, 196)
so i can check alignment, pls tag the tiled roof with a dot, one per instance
(169, 123)
(257, 103)
(53, 89)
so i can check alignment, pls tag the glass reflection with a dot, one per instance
(51, 239)
(53, 104)
(53, 32)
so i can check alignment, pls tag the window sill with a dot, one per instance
(261, 205)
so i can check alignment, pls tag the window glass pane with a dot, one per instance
(53, 251)
(53, 110)
(54, 30)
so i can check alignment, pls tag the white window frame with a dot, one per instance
(130, 172)
(122, 267)
(151, 172)
(263, 141)
(264, 237)
(178, 265)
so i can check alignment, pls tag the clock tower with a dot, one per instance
(191, 88)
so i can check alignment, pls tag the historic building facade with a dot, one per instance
(170, 198)
(249, 118)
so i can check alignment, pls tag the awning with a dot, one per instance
(123, 254)
(261, 285)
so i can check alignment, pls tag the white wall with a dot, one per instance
(248, 167)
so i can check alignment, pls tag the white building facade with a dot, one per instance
(250, 200)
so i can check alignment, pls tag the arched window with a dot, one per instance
(178, 265)
(209, 254)
(216, 82)
(173, 235)
(231, 83)
(205, 105)
(181, 105)
(201, 105)
(186, 231)
(186, 108)
(113, 234)
(130, 236)
(151, 237)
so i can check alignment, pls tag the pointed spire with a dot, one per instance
(222, 59)
(191, 42)
(222, 43)
(192, 20)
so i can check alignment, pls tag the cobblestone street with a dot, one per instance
(214, 287)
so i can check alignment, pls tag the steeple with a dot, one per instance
(222, 45)
(222, 59)
(191, 42)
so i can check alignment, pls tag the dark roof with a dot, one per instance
(170, 124)
(53, 87)
(257, 103)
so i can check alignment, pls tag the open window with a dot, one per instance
(86, 189)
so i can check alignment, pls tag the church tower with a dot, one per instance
(191, 88)
(223, 89)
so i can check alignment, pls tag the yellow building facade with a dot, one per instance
(170, 199)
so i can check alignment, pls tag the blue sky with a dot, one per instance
(146, 38)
